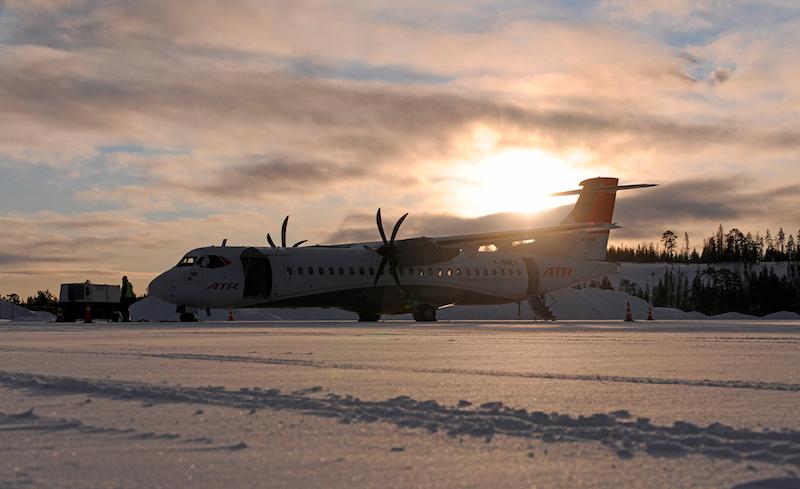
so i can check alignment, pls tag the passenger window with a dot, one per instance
(519, 272)
(421, 273)
(510, 272)
(289, 271)
(439, 272)
(341, 270)
(400, 271)
(449, 272)
(430, 271)
(311, 270)
(330, 270)
(503, 272)
(469, 272)
(352, 271)
(477, 272)
(299, 270)
(371, 271)
(321, 271)
(485, 272)
(458, 271)
(361, 271)
(494, 271)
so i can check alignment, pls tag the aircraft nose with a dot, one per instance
(162, 287)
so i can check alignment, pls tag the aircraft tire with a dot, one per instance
(368, 317)
(187, 317)
(425, 313)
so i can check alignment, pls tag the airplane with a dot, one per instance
(399, 276)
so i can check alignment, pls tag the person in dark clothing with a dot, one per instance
(126, 298)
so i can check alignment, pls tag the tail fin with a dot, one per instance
(595, 204)
(595, 201)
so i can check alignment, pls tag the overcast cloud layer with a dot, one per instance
(133, 131)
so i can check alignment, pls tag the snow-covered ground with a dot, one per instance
(398, 404)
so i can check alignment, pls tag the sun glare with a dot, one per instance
(519, 180)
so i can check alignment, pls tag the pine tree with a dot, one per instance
(769, 250)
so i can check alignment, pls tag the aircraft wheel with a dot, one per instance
(188, 317)
(368, 317)
(425, 313)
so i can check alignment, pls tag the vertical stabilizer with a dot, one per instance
(595, 205)
(595, 201)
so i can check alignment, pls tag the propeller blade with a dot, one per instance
(393, 271)
(397, 227)
(269, 240)
(380, 226)
(283, 231)
(384, 260)
(299, 243)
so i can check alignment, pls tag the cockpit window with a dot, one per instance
(207, 261)
(187, 261)
(215, 261)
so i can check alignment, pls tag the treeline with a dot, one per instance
(718, 290)
(44, 300)
(731, 246)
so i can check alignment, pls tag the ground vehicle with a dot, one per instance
(102, 301)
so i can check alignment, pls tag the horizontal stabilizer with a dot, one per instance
(614, 187)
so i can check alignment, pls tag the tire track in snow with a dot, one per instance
(618, 431)
(725, 384)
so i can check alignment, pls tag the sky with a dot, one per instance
(133, 131)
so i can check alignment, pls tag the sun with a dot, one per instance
(517, 180)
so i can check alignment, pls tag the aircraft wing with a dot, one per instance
(479, 239)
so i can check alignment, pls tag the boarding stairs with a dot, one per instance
(538, 304)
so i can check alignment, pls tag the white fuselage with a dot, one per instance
(318, 276)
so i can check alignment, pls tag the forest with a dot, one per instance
(720, 247)
(749, 287)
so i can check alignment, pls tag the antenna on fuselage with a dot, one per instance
(224, 242)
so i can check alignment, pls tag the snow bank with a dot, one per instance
(733, 316)
(153, 309)
(782, 315)
(16, 312)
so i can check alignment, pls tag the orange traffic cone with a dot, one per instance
(87, 317)
(649, 312)
(230, 315)
(628, 315)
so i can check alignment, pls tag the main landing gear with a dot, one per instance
(425, 313)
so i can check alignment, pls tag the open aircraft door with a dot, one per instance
(257, 274)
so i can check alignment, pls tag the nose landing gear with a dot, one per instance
(185, 317)
(368, 317)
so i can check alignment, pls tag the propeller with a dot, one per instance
(283, 236)
(388, 251)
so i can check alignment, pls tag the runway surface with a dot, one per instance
(400, 404)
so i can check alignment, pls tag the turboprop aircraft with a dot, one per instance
(396, 276)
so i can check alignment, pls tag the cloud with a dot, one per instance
(215, 120)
